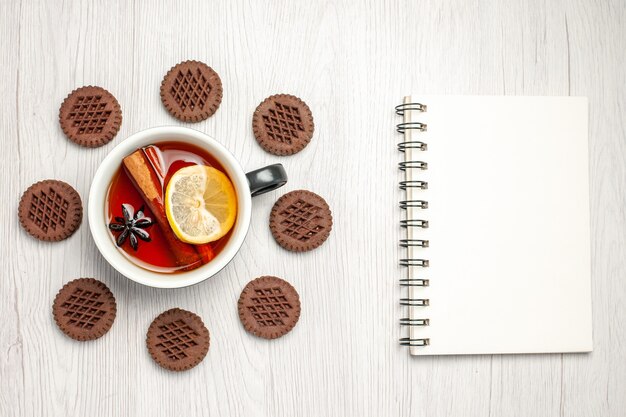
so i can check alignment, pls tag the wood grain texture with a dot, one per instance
(351, 61)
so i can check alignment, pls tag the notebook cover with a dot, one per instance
(509, 233)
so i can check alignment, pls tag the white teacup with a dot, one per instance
(246, 186)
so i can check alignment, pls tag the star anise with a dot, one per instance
(131, 226)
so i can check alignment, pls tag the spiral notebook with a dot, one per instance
(496, 231)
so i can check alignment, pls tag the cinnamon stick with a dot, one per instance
(149, 186)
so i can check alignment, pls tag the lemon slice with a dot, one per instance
(200, 204)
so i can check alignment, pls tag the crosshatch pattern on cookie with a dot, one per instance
(89, 114)
(48, 210)
(175, 338)
(82, 308)
(300, 220)
(178, 340)
(283, 123)
(269, 307)
(190, 89)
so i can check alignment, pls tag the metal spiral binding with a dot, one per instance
(414, 322)
(401, 127)
(423, 204)
(401, 108)
(406, 223)
(415, 302)
(413, 144)
(414, 262)
(414, 282)
(413, 184)
(404, 165)
(405, 243)
(414, 223)
(407, 341)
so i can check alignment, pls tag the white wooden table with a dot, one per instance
(351, 61)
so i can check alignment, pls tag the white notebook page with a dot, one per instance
(509, 233)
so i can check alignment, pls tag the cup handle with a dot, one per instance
(266, 179)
